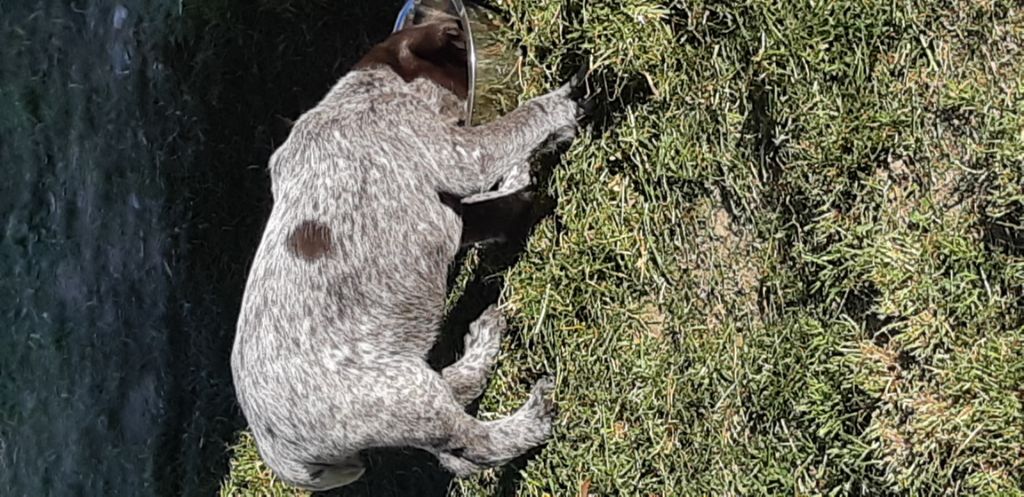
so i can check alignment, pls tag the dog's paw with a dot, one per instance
(586, 107)
(485, 333)
(576, 87)
(564, 114)
(578, 91)
(542, 407)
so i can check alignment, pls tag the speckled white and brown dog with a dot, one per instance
(346, 293)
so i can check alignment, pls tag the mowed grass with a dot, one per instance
(787, 257)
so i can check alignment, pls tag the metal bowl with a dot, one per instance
(489, 63)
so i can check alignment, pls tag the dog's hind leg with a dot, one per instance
(477, 445)
(414, 407)
(467, 377)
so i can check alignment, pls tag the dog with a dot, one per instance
(345, 296)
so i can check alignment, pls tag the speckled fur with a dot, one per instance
(329, 357)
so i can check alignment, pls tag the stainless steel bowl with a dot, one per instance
(489, 63)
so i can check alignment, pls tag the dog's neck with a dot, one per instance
(380, 81)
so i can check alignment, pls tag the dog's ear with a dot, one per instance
(439, 39)
(436, 51)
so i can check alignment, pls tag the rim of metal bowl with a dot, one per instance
(460, 9)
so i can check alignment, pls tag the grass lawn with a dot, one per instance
(787, 257)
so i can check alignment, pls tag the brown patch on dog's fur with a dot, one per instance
(310, 240)
(430, 51)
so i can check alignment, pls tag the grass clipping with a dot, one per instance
(787, 258)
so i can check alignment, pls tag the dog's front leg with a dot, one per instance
(501, 150)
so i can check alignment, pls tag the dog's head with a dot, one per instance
(436, 51)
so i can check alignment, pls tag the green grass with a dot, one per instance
(787, 259)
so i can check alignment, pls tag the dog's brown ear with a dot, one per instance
(436, 39)
(436, 51)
